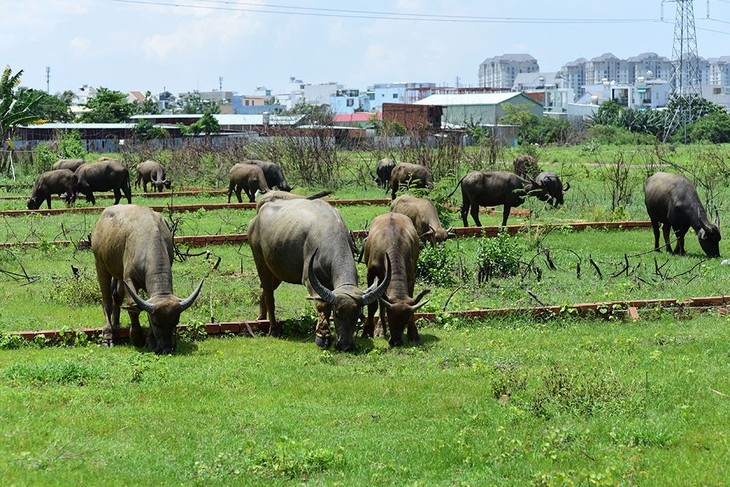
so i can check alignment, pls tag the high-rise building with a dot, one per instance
(501, 71)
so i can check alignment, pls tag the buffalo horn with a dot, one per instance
(450, 232)
(386, 301)
(717, 219)
(143, 305)
(567, 187)
(371, 295)
(324, 293)
(187, 302)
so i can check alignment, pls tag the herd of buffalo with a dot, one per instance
(304, 240)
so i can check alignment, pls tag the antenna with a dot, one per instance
(48, 79)
(220, 84)
(685, 79)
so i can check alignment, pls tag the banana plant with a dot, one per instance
(12, 115)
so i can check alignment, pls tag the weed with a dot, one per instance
(498, 257)
(80, 290)
(64, 371)
(436, 265)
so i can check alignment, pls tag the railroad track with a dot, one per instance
(603, 310)
(189, 192)
(460, 232)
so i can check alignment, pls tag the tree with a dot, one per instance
(148, 106)
(192, 103)
(207, 125)
(12, 114)
(714, 128)
(317, 114)
(108, 106)
(47, 107)
(145, 130)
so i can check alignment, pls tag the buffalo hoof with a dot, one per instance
(107, 343)
(395, 343)
(323, 342)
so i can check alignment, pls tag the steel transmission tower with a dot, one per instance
(685, 80)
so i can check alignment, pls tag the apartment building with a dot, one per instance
(501, 71)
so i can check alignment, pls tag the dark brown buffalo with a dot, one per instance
(70, 164)
(152, 172)
(273, 173)
(672, 200)
(424, 216)
(307, 242)
(393, 237)
(491, 188)
(133, 250)
(383, 170)
(104, 175)
(59, 181)
(548, 187)
(412, 175)
(247, 177)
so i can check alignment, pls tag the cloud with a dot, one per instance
(80, 46)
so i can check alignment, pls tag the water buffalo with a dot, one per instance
(393, 236)
(382, 173)
(672, 200)
(152, 172)
(491, 188)
(103, 175)
(548, 187)
(273, 173)
(424, 216)
(132, 248)
(70, 164)
(248, 177)
(59, 181)
(285, 195)
(415, 175)
(307, 242)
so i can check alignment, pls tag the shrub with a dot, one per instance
(70, 145)
(82, 289)
(435, 265)
(498, 257)
(714, 128)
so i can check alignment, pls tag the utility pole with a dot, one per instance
(685, 80)
(48, 79)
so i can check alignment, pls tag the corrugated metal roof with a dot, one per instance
(356, 117)
(82, 126)
(231, 119)
(471, 99)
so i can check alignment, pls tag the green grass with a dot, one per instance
(581, 402)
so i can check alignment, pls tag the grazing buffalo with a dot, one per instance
(285, 195)
(70, 164)
(307, 242)
(103, 175)
(672, 200)
(273, 173)
(491, 188)
(248, 177)
(152, 172)
(548, 187)
(525, 166)
(424, 216)
(59, 181)
(393, 238)
(382, 173)
(413, 175)
(133, 250)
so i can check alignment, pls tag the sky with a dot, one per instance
(185, 45)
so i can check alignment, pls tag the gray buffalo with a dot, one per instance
(70, 164)
(249, 178)
(383, 170)
(103, 175)
(413, 175)
(59, 181)
(152, 172)
(133, 250)
(273, 173)
(393, 238)
(491, 188)
(307, 242)
(672, 200)
(548, 187)
(424, 216)
(285, 195)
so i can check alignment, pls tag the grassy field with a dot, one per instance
(509, 401)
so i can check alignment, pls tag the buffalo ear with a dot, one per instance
(717, 219)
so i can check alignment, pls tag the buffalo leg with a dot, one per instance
(105, 285)
(475, 214)
(666, 230)
(231, 187)
(48, 201)
(322, 333)
(267, 305)
(251, 193)
(680, 244)
(505, 215)
(137, 334)
(413, 335)
(127, 192)
(655, 227)
(117, 196)
(369, 328)
(382, 329)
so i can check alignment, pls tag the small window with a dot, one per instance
(350, 102)
(395, 96)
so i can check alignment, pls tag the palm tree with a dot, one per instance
(12, 115)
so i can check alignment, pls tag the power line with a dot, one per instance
(374, 15)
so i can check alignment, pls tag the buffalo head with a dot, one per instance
(709, 237)
(34, 203)
(347, 306)
(164, 315)
(400, 315)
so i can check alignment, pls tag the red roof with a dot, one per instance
(356, 117)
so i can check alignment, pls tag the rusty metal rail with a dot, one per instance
(460, 232)
(599, 310)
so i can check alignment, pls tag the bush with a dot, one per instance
(70, 145)
(714, 128)
(612, 135)
(498, 257)
(436, 265)
(82, 289)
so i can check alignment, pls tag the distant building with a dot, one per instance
(250, 105)
(717, 94)
(648, 65)
(574, 76)
(397, 92)
(501, 71)
(479, 109)
(719, 71)
(349, 101)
